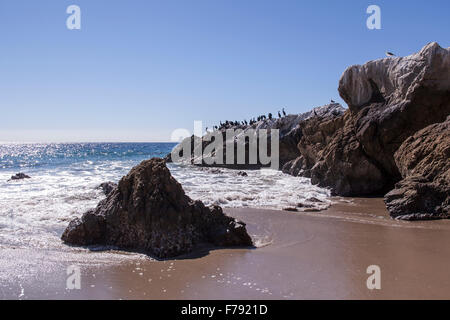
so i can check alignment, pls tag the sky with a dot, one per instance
(139, 69)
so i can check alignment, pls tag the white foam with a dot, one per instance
(260, 189)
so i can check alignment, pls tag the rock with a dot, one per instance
(293, 167)
(19, 176)
(343, 166)
(289, 134)
(314, 200)
(242, 174)
(107, 187)
(149, 212)
(423, 161)
(389, 100)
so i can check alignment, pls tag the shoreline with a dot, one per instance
(320, 255)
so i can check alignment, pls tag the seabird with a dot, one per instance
(284, 112)
(390, 54)
(332, 101)
(279, 114)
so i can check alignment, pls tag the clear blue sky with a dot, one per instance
(137, 70)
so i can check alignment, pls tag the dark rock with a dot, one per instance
(343, 166)
(423, 161)
(107, 187)
(19, 176)
(150, 212)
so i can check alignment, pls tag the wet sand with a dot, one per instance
(316, 255)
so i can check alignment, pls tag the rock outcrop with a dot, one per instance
(290, 133)
(389, 100)
(19, 176)
(149, 212)
(424, 163)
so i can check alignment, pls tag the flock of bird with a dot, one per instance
(228, 124)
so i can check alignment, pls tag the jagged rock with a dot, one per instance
(19, 176)
(149, 212)
(423, 161)
(107, 187)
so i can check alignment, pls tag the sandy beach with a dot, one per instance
(317, 255)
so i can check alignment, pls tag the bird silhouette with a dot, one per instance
(332, 101)
(390, 54)
(284, 112)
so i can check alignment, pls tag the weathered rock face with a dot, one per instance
(423, 161)
(150, 212)
(343, 166)
(391, 99)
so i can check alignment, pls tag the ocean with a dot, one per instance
(298, 255)
(65, 178)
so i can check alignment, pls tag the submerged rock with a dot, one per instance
(423, 161)
(149, 212)
(19, 176)
(242, 174)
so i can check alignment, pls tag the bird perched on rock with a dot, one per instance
(332, 101)
(390, 54)
(284, 112)
(279, 114)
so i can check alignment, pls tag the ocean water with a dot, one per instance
(65, 177)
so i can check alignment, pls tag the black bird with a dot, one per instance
(332, 101)
(279, 114)
(270, 116)
(284, 112)
(390, 54)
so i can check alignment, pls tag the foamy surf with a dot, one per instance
(34, 212)
(268, 189)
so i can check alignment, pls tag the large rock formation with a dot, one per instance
(424, 163)
(358, 152)
(149, 212)
(389, 100)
